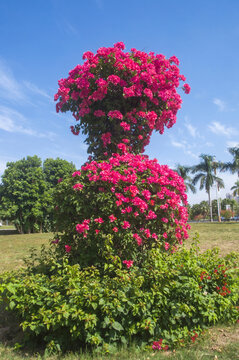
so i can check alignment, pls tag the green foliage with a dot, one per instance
(172, 297)
(26, 192)
(55, 169)
(200, 209)
(227, 214)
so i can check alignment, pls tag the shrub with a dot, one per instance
(166, 303)
(129, 197)
(227, 214)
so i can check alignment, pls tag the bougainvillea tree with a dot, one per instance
(117, 99)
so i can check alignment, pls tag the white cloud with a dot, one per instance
(36, 89)
(221, 129)
(191, 129)
(177, 144)
(9, 87)
(11, 121)
(185, 146)
(220, 104)
(232, 143)
(16, 91)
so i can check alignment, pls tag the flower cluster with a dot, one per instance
(158, 345)
(116, 95)
(129, 196)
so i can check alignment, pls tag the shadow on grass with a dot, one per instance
(8, 232)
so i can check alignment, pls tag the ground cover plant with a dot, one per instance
(115, 274)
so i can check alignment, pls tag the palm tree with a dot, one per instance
(233, 166)
(205, 174)
(235, 188)
(183, 171)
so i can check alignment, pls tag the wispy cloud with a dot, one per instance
(9, 86)
(232, 143)
(13, 121)
(15, 90)
(220, 104)
(177, 144)
(220, 129)
(35, 89)
(185, 146)
(191, 129)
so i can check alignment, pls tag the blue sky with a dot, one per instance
(41, 41)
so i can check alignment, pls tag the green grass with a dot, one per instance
(14, 247)
(218, 343)
(225, 236)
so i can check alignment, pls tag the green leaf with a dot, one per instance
(117, 326)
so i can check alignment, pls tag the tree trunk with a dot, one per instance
(210, 205)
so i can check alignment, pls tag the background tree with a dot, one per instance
(201, 209)
(235, 188)
(205, 175)
(26, 192)
(183, 171)
(23, 194)
(55, 169)
(233, 166)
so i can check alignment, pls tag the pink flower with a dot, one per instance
(115, 114)
(128, 263)
(165, 235)
(186, 88)
(138, 238)
(76, 173)
(59, 180)
(128, 92)
(125, 126)
(67, 248)
(112, 218)
(99, 221)
(106, 138)
(97, 231)
(78, 186)
(115, 229)
(166, 246)
(114, 79)
(151, 215)
(126, 225)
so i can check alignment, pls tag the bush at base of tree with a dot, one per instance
(167, 302)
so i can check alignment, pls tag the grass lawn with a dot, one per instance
(221, 342)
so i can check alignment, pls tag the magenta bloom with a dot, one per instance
(68, 248)
(76, 173)
(126, 225)
(128, 263)
(99, 221)
(78, 186)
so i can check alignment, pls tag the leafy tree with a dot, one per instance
(55, 169)
(235, 188)
(23, 194)
(233, 205)
(233, 166)
(205, 175)
(183, 171)
(27, 189)
(200, 209)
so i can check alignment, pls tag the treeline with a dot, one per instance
(201, 211)
(26, 192)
